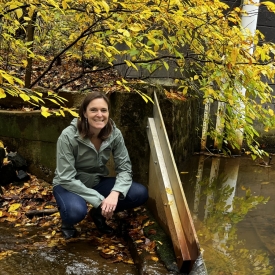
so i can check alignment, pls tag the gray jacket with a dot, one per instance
(79, 166)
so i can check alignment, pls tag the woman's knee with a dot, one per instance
(144, 193)
(76, 213)
(139, 192)
(72, 207)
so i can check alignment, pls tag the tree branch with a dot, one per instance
(82, 35)
(11, 10)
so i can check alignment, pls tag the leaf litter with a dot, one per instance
(31, 208)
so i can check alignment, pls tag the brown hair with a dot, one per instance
(82, 125)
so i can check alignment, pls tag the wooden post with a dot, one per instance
(178, 217)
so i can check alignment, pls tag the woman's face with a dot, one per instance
(97, 114)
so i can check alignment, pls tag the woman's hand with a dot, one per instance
(109, 204)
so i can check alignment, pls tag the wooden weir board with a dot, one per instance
(179, 220)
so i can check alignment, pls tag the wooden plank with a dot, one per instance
(179, 209)
(168, 199)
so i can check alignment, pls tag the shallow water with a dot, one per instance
(75, 258)
(232, 202)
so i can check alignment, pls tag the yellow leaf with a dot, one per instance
(108, 54)
(45, 112)
(135, 28)
(35, 98)
(2, 93)
(19, 13)
(62, 113)
(105, 6)
(129, 261)
(8, 77)
(55, 214)
(73, 113)
(166, 65)
(54, 101)
(1, 213)
(155, 259)
(64, 5)
(196, 77)
(169, 191)
(14, 206)
(271, 112)
(184, 92)
(234, 55)
(53, 243)
(126, 33)
(25, 63)
(25, 97)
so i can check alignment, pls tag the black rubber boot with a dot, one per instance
(100, 221)
(68, 231)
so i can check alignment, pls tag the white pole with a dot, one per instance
(205, 124)
(248, 22)
(219, 123)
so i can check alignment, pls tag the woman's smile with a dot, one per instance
(97, 114)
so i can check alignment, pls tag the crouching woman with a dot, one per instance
(83, 149)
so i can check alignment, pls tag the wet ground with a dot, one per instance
(75, 258)
(37, 247)
(232, 202)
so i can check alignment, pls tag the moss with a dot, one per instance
(163, 242)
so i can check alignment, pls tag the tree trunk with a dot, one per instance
(30, 36)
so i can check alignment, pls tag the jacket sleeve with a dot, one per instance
(123, 166)
(65, 173)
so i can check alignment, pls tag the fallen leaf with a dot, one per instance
(155, 259)
(14, 206)
(169, 191)
(139, 241)
(129, 261)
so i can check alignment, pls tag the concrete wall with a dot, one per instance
(34, 136)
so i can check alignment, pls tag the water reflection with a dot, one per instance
(229, 198)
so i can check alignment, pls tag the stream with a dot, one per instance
(232, 202)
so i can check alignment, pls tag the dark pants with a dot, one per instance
(73, 208)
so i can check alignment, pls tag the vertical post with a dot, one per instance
(205, 124)
(248, 22)
(219, 124)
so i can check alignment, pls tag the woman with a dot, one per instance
(83, 150)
